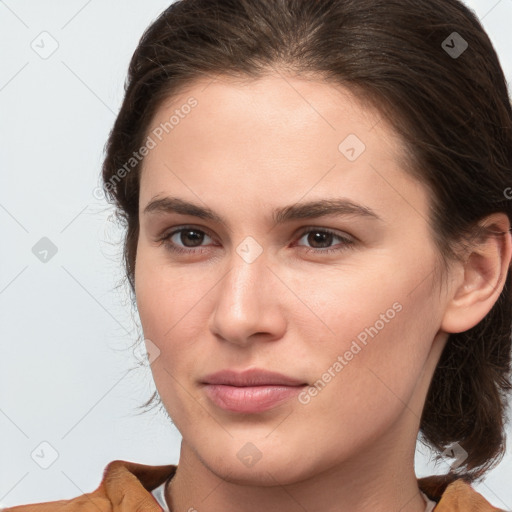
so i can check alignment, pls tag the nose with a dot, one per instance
(248, 303)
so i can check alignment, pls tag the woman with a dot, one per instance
(317, 208)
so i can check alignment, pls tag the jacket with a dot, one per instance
(126, 487)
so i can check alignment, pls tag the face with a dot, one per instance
(280, 231)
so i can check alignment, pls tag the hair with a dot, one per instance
(452, 112)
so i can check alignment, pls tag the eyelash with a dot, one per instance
(171, 246)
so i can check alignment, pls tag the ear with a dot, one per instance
(483, 275)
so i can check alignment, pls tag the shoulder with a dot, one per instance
(454, 494)
(125, 482)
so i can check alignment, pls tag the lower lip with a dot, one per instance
(250, 399)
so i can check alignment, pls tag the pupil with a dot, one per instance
(190, 234)
(317, 237)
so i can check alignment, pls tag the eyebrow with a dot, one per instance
(310, 210)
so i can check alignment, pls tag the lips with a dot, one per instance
(252, 377)
(251, 391)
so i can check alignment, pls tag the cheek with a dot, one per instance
(166, 302)
(380, 329)
(172, 310)
(166, 296)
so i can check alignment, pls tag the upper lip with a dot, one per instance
(252, 377)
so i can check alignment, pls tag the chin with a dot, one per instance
(273, 467)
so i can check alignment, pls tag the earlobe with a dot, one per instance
(484, 274)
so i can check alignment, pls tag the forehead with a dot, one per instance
(272, 134)
(273, 104)
(268, 118)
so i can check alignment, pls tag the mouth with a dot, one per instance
(251, 391)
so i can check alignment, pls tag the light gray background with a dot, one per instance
(66, 330)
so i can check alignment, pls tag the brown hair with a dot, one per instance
(448, 102)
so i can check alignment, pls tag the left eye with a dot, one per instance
(326, 237)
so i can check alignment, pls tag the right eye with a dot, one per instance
(183, 235)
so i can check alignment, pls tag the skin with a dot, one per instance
(244, 150)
